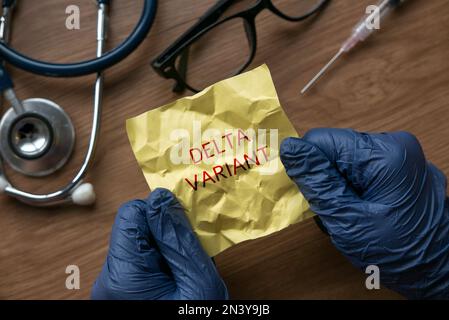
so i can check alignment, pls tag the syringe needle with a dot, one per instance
(360, 33)
(322, 71)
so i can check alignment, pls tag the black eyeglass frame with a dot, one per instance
(165, 63)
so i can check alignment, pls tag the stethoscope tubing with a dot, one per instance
(67, 193)
(83, 68)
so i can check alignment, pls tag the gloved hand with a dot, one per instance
(382, 203)
(154, 254)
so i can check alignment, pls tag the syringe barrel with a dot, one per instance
(367, 26)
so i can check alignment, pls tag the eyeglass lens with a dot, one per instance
(222, 51)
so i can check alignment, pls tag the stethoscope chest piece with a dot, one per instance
(36, 135)
(39, 141)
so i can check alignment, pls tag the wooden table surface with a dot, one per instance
(398, 80)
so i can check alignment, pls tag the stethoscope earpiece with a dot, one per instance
(84, 195)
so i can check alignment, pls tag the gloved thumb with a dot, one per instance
(351, 221)
(194, 273)
(327, 191)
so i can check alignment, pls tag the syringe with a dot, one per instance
(361, 32)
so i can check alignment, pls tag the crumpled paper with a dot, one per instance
(218, 152)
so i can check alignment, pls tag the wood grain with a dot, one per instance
(399, 80)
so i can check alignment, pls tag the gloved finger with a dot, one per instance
(380, 167)
(339, 147)
(319, 181)
(134, 268)
(347, 218)
(194, 272)
(131, 238)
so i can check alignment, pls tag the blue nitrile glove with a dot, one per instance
(381, 201)
(154, 254)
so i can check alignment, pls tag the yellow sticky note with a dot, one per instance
(218, 152)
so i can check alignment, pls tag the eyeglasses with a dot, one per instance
(214, 49)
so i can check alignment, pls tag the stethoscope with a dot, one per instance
(37, 137)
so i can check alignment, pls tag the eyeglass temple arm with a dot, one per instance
(211, 16)
(182, 70)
